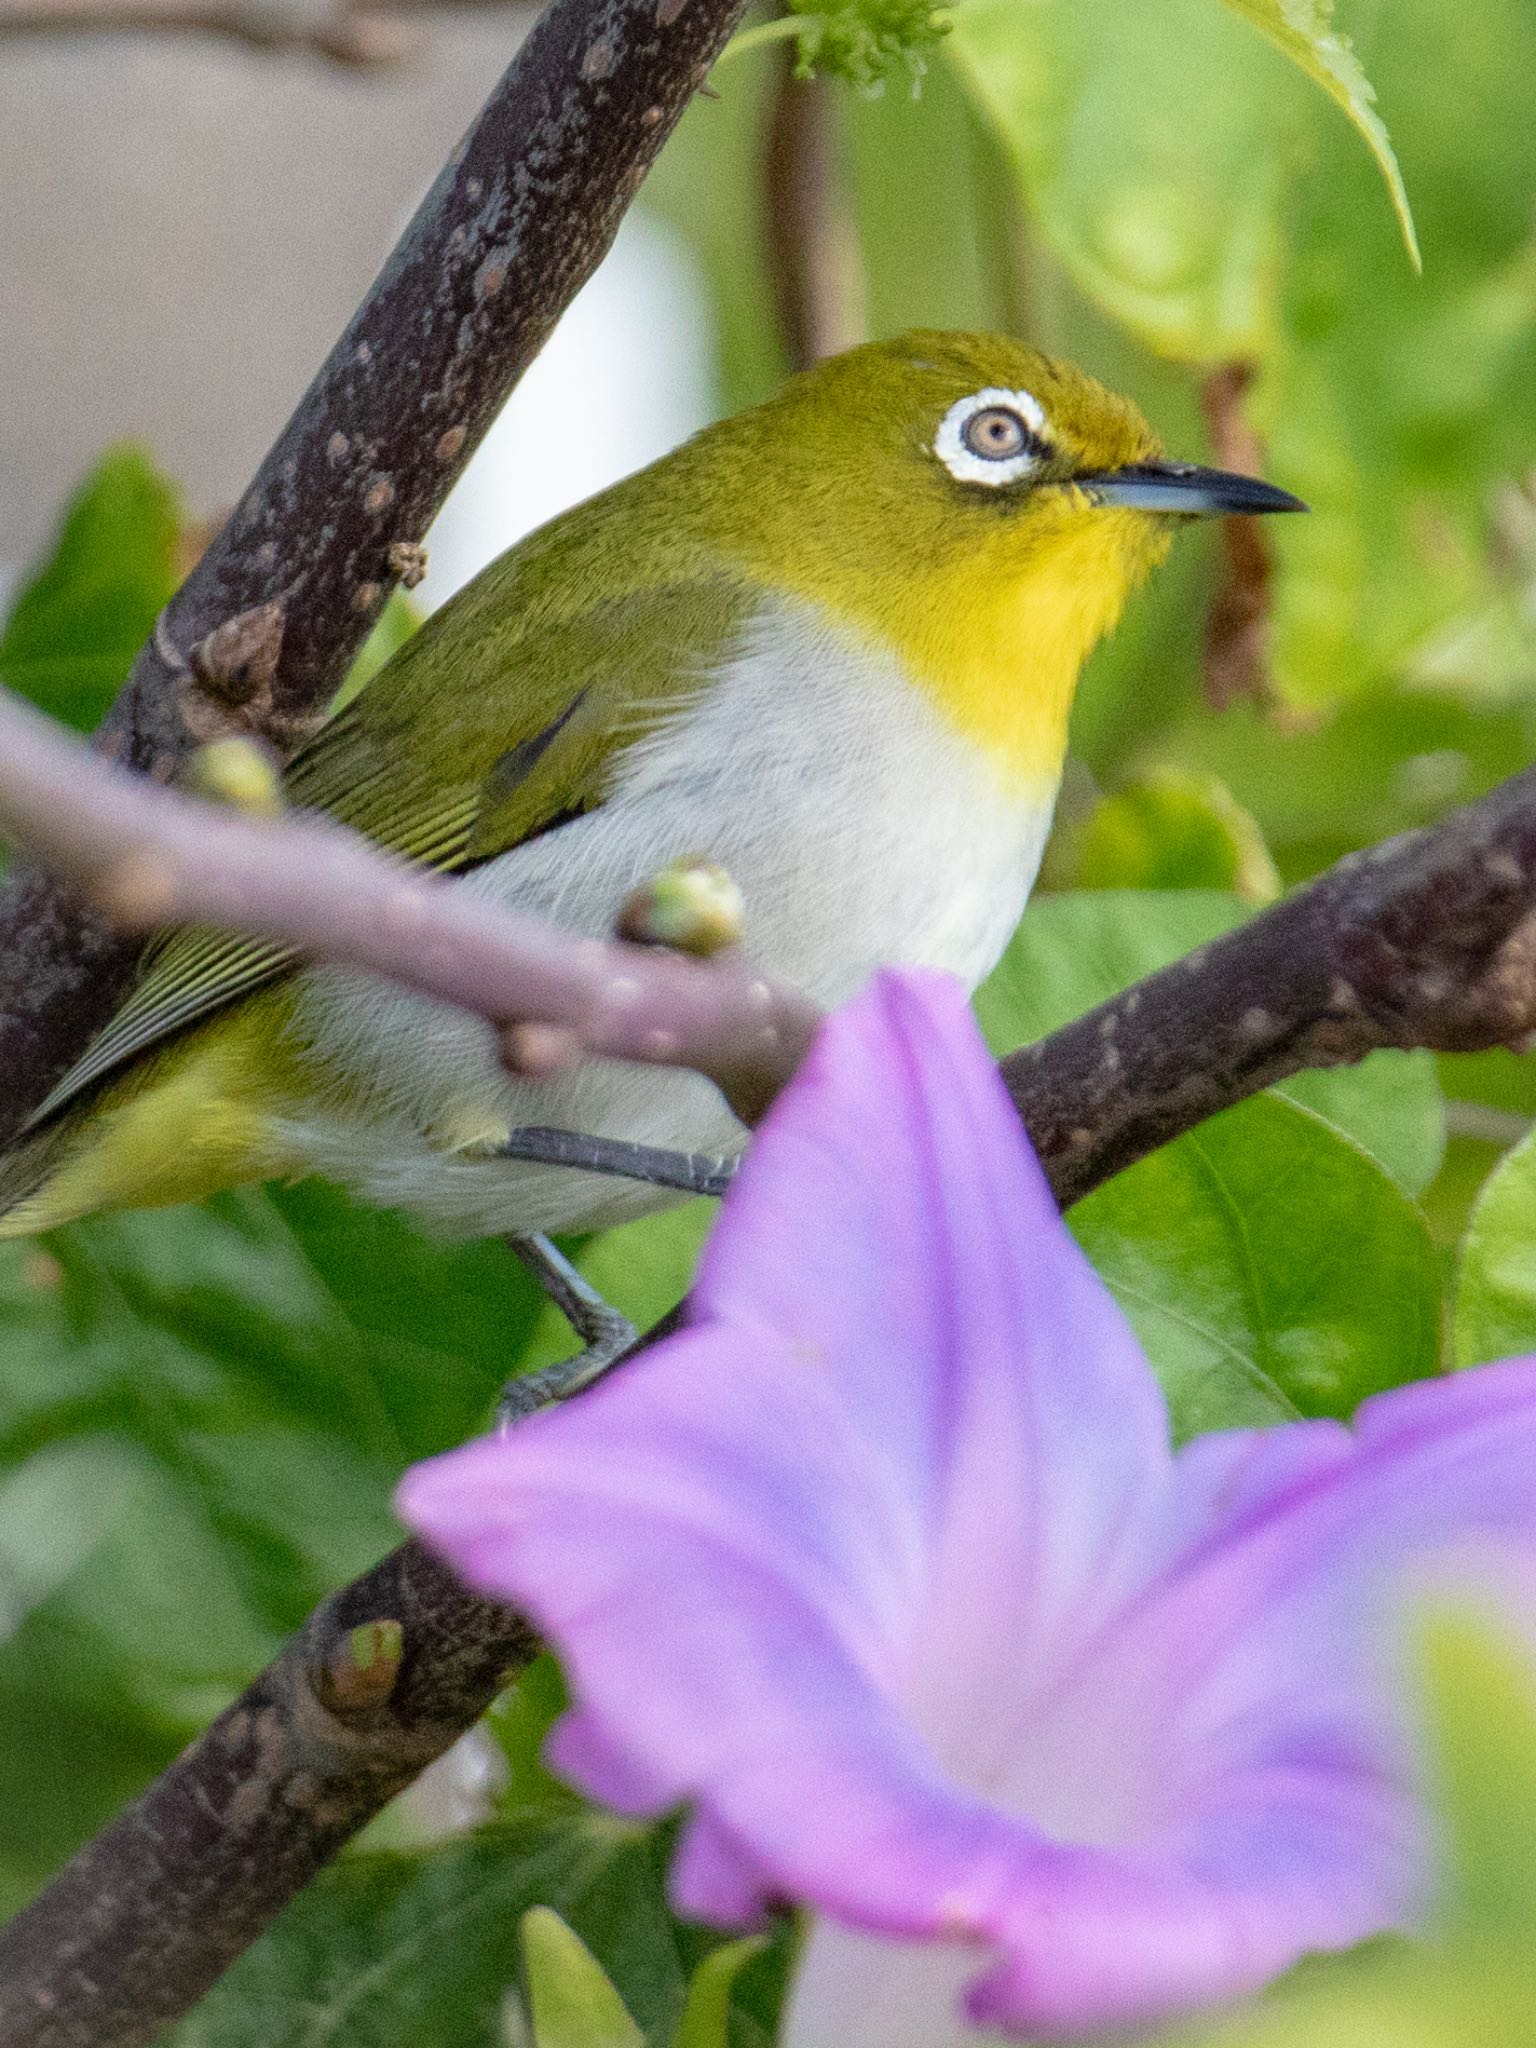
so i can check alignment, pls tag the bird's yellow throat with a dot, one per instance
(996, 632)
(998, 642)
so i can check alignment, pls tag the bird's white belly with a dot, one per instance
(861, 830)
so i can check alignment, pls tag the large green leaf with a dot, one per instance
(1495, 1297)
(1383, 764)
(1305, 31)
(1167, 828)
(1151, 143)
(252, 1387)
(55, 1508)
(1402, 406)
(385, 1951)
(1270, 1268)
(76, 626)
(1238, 1251)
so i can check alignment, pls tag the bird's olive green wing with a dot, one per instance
(477, 736)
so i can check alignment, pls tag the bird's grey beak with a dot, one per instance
(1185, 490)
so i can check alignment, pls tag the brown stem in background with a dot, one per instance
(263, 630)
(1427, 940)
(1237, 630)
(812, 246)
(345, 35)
(350, 33)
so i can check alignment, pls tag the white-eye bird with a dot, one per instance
(830, 643)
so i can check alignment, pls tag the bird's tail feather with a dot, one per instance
(26, 1168)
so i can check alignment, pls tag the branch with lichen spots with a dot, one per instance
(1428, 940)
(146, 857)
(384, 1677)
(263, 630)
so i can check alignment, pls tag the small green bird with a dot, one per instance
(830, 643)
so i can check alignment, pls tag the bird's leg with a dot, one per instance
(605, 1334)
(691, 1173)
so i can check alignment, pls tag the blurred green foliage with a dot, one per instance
(203, 1412)
(76, 625)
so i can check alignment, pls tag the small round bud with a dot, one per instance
(692, 906)
(361, 1670)
(238, 772)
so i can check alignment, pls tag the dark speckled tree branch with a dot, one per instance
(385, 1676)
(263, 630)
(1428, 940)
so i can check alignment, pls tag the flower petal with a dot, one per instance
(892, 1220)
(885, 1565)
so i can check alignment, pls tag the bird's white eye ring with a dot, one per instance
(992, 437)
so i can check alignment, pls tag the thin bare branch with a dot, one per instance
(1237, 630)
(384, 1677)
(145, 856)
(1426, 940)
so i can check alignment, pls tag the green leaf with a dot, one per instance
(571, 2001)
(1270, 1268)
(246, 1383)
(1403, 405)
(424, 1949)
(1495, 1292)
(1169, 829)
(707, 2014)
(1380, 765)
(1073, 951)
(1237, 1251)
(54, 1509)
(1305, 31)
(1152, 144)
(74, 630)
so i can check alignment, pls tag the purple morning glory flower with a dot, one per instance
(886, 1568)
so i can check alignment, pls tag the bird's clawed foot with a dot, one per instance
(606, 1335)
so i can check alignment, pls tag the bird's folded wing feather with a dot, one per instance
(499, 720)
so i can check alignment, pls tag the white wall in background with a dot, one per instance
(187, 225)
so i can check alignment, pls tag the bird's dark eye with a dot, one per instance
(996, 434)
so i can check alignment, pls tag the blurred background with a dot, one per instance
(202, 1413)
(190, 222)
